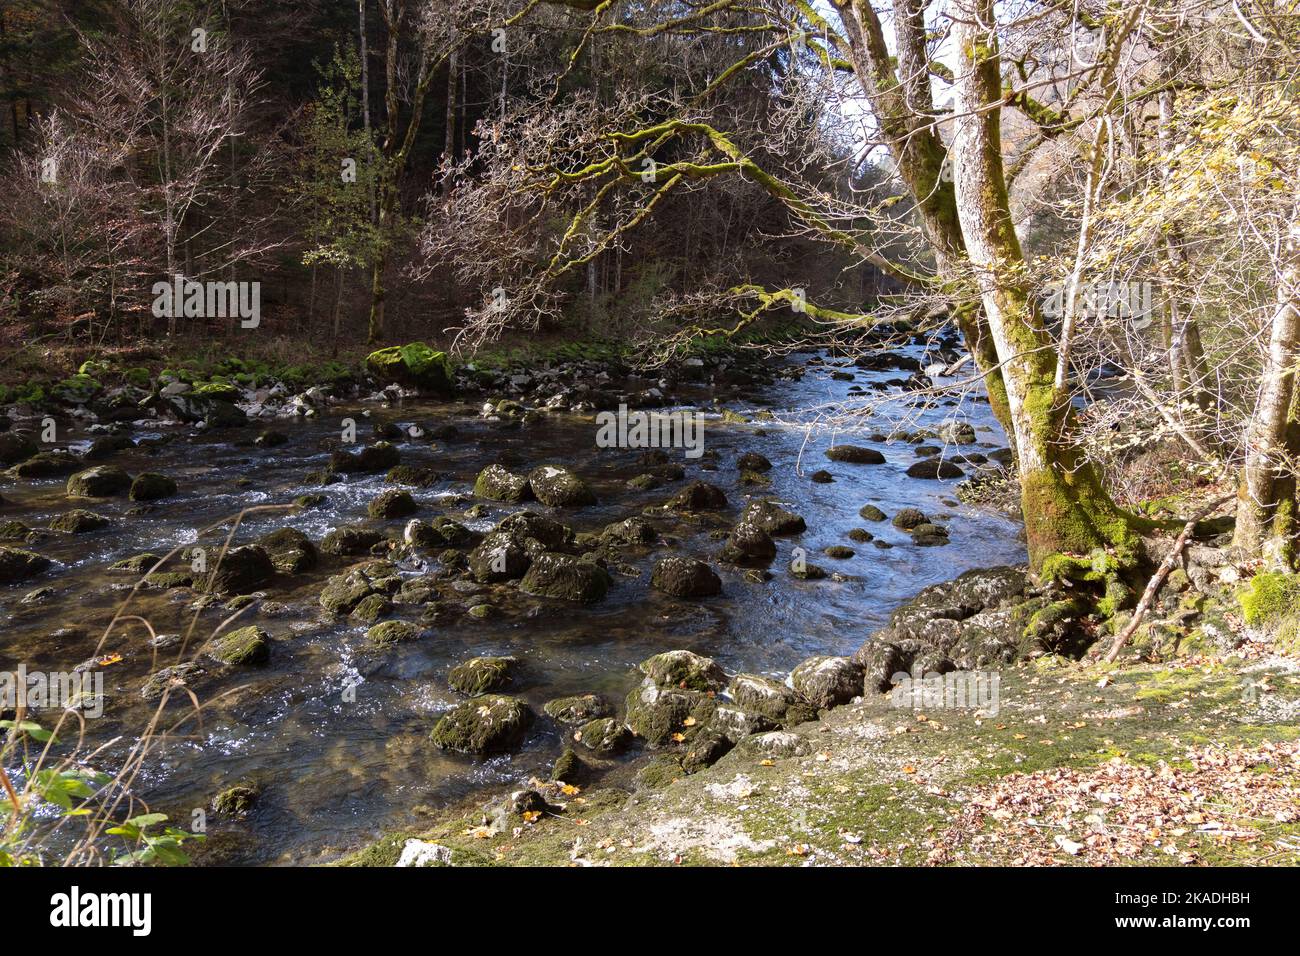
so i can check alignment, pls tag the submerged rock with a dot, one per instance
(485, 725)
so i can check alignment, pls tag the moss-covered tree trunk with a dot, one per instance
(1266, 502)
(1065, 506)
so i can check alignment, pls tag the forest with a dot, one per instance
(774, 432)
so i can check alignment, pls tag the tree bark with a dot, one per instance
(1266, 508)
(1065, 507)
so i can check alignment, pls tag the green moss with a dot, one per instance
(1270, 597)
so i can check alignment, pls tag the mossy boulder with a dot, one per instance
(629, 531)
(684, 669)
(565, 577)
(537, 532)
(151, 486)
(685, 578)
(79, 521)
(763, 696)
(371, 609)
(499, 484)
(390, 633)
(290, 550)
(558, 487)
(350, 539)
(1270, 598)
(568, 768)
(747, 543)
(871, 513)
(481, 675)
(46, 464)
(489, 724)
(656, 713)
(173, 678)
(417, 476)
(248, 645)
(908, 518)
(855, 455)
(17, 564)
(414, 365)
(241, 571)
(343, 592)
(237, 801)
(604, 735)
(578, 708)
(102, 481)
(826, 681)
(393, 503)
(499, 557)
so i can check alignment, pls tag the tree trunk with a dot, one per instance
(1267, 498)
(1065, 507)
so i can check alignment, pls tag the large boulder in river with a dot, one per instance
(699, 496)
(393, 503)
(16, 447)
(559, 488)
(685, 578)
(499, 557)
(350, 539)
(498, 484)
(46, 464)
(415, 365)
(748, 544)
(17, 564)
(827, 681)
(291, 551)
(487, 724)
(629, 531)
(78, 521)
(935, 468)
(855, 455)
(102, 481)
(151, 486)
(565, 577)
(772, 518)
(241, 571)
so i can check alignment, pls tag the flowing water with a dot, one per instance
(337, 767)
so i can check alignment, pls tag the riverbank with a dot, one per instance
(1193, 762)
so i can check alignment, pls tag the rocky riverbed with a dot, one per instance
(451, 594)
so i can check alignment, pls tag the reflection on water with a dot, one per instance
(336, 735)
